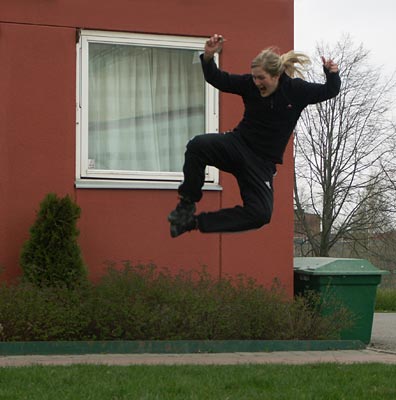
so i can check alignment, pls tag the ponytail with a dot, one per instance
(290, 60)
(276, 64)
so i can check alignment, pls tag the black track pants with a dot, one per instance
(228, 152)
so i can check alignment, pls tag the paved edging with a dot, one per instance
(280, 357)
(174, 346)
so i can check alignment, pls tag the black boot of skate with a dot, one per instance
(183, 213)
(178, 229)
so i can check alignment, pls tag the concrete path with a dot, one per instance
(280, 357)
(381, 350)
(384, 331)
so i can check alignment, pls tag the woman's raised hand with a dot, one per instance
(213, 45)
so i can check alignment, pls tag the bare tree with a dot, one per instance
(343, 149)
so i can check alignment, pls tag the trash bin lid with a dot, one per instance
(335, 266)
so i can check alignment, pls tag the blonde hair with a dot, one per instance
(275, 64)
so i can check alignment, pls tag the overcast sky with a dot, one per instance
(372, 23)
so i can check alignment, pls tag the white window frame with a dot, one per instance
(87, 177)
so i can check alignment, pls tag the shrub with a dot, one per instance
(386, 300)
(29, 313)
(51, 256)
(146, 303)
(323, 314)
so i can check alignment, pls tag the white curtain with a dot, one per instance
(144, 105)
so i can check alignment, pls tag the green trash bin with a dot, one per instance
(353, 282)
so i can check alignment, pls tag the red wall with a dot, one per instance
(37, 135)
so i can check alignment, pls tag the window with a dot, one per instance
(140, 98)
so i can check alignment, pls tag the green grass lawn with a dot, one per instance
(243, 382)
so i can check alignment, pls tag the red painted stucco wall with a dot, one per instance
(38, 135)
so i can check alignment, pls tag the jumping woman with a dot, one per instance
(274, 99)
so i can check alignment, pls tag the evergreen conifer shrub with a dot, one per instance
(52, 256)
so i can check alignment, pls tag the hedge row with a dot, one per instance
(147, 303)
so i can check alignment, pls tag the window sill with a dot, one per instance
(157, 185)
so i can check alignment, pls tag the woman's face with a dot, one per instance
(265, 83)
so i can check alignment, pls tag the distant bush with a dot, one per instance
(386, 300)
(52, 256)
(146, 303)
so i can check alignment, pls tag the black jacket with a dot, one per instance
(268, 122)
